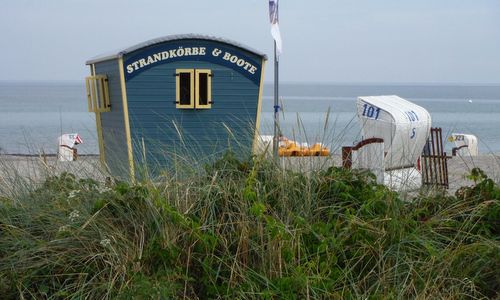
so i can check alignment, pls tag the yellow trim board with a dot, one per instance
(98, 121)
(259, 109)
(126, 119)
(97, 93)
(89, 93)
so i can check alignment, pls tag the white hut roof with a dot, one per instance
(120, 53)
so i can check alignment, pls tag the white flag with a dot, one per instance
(275, 30)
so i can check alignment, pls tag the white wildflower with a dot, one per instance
(74, 215)
(103, 189)
(105, 242)
(73, 194)
(64, 228)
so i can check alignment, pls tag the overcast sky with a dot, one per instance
(360, 41)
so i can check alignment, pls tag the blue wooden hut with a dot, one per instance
(175, 98)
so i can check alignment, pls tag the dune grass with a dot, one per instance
(247, 229)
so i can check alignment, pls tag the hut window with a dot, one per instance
(185, 88)
(193, 88)
(97, 93)
(203, 89)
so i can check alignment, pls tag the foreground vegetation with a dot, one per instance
(248, 230)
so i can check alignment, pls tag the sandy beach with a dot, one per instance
(34, 169)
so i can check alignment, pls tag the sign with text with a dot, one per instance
(217, 53)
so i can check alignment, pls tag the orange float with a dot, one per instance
(290, 148)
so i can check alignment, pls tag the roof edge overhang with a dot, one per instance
(121, 53)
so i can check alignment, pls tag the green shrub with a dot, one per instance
(248, 230)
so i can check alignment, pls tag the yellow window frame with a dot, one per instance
(178, 88)
(97, 93)
(209, 88)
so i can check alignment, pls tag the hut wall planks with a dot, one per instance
(220, 79)
(113, 131)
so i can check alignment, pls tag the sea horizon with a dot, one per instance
(28, 127)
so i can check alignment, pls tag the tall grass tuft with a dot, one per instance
(247, 229)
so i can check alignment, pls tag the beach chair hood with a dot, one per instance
(466, 143)
(70, 140)
(403, 125)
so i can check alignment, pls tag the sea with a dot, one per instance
(34, 114)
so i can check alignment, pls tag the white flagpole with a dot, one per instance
(275, 32)
(276, 103)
